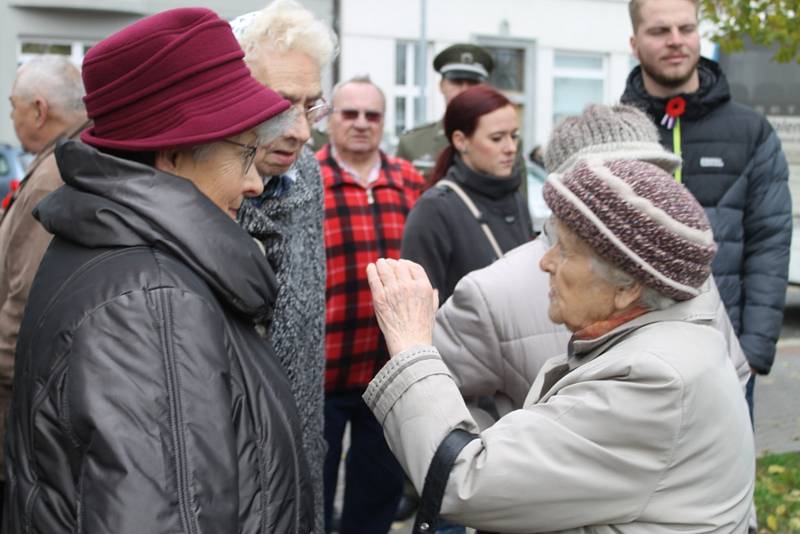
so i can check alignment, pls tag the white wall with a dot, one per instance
(92, 21)
(370, 29)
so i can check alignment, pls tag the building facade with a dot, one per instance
(70, 27)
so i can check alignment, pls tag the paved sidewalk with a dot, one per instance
(777, 396)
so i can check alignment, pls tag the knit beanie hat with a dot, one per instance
(636, 217)
(615, 132)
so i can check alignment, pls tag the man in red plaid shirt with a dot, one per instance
(367, 197)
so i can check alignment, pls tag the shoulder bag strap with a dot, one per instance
(475, 213)
(436, 480)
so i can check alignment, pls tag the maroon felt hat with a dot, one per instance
(173, 79)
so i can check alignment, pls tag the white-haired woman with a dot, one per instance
(640, 428)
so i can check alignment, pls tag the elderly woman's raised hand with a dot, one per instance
(404, 301)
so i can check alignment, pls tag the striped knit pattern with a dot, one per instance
(615, 132)
(636, 217)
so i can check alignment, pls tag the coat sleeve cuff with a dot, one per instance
(399, 374)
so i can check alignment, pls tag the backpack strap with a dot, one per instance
(436, 480)
(473, 209)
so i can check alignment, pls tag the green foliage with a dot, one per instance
(764, 22)
(777, 493)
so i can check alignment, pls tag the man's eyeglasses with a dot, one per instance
(353, 114)
(249, 153)
(318, 111)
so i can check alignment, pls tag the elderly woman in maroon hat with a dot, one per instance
(145, 399)
(639, 428)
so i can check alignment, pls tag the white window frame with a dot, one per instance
(76, 48)
(409, 91)
(576, 73)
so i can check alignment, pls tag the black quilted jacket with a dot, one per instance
(734, 166)
(144, 399)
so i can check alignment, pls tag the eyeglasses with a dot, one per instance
(353, 114)
(549, 233)
(249, 153)
(318, 111)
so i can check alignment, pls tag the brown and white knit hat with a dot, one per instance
(612, 132)
(635, 216)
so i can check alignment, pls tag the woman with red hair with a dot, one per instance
(473, 212)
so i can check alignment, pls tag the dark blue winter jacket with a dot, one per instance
(734, 166)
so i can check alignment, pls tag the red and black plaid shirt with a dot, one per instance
(362, 224)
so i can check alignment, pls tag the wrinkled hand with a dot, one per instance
(404, 301)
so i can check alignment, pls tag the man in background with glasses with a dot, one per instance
(367, 197)
(286, 49)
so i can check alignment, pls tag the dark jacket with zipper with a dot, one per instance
(144, 398)
(733, 164)
(442, 235)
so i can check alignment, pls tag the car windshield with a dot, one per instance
(539, 210)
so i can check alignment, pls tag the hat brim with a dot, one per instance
(227, 111)
(649, 152)
(464, 75)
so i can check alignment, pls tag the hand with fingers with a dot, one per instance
(404, 301)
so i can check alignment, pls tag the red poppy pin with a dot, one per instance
(13, 186)
(676, 106)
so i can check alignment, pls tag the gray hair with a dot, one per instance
(285, 25)
(56, 79)
(362, 79)
(266, 132)
(650, 299)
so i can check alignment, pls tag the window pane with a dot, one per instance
(46, 48)
(399, 115)
(400, 61)
(572, 95)
(509, 69)
(418, 59)
(575, 61)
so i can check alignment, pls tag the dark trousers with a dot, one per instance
(373, 479)
(748, 394)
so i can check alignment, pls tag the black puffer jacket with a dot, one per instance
(144, 400)
(442, 235)
(734, 166)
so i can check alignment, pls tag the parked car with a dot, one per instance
(13, 165)
(539, 210)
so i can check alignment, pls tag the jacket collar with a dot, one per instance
(111, 202)
(712, 93)
(44, 153)
(388, 177)
(484, 184)
(700, 309)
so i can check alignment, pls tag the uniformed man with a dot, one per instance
(461, 66)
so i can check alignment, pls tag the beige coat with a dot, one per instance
(23, 242)
(494, 333)
(648, 433)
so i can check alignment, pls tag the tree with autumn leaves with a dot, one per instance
(770, 23)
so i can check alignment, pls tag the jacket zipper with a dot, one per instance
(175, 415)
(375, 219)
(296, 446)
(29, 505)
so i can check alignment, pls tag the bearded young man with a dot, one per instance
(732, 163)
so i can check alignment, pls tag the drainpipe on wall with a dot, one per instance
(421, 114)
(338, 31)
